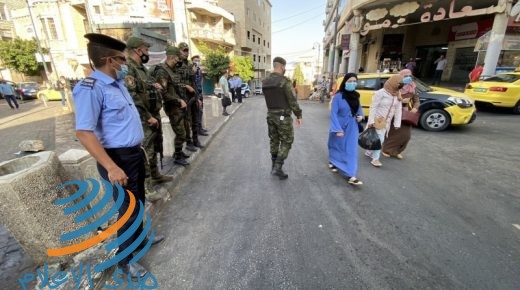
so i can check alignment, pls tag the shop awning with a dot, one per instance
(511, 42)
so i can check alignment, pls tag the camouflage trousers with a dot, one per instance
(281, 135)
(151, 136)
(178, 122)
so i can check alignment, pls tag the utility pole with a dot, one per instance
(38, 41)
(331, 69)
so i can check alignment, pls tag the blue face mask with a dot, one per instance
(121, 74)
(407, 80)
(350, 86)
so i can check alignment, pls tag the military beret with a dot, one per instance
(172, 50)
(279, 60)
(102, 40)
(135, 42)
(183, 46)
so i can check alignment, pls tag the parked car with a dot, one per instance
(501, 90)
(258, 90)
(49, 94)
(27, 90)
(245, 90)
(439, 107)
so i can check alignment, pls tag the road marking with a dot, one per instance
(516, 226)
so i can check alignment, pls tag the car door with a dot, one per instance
(366, 88)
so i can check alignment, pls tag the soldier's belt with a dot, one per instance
(279, 112)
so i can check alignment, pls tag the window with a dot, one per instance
(259, 40)
(367, 84)
(97, 10)
(264, 59)
(267, 44)
(254, 39)
(264, 42)
(3, 12)
(254, 57)
(50, 28)
(248, 35)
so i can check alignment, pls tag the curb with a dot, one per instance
(168, 190)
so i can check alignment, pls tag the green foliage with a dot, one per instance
(215, 61)
(243, 66)
(298, 75)
(19, 55)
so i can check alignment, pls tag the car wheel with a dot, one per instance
(435, 120)
(516, 108)
(246, 95)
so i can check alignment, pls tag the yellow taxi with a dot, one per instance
(501, 90)
(440, 107)
(49, 94)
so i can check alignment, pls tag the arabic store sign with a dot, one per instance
(415, 13)
(470, 30)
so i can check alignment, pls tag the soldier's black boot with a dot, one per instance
(190, 146)
(278, 170)
(183, 155)
(273, 160)
(196, 143)
(179, 159)
(158, 178)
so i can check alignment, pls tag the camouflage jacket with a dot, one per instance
(185, 70)
(169, 79)
(140, 86)
(283, 94)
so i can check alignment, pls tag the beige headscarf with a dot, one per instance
(392, 85)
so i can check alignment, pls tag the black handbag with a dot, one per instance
(226, 101)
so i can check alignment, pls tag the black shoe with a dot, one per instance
(156, 240)
(191, 148)
(183, 155)
(161, 179)
(281, 175)
(202, 133)
(135, 270)
(225, 114)
(181, 161)
(203, 130)
(197, 144)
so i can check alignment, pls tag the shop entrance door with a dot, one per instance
(465, 59)
(426, 56)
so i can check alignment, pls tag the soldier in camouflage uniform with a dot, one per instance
(281, 103)
(174, 106)
(186, 71)
(144, 91)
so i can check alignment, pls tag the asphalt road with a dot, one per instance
(442, 218)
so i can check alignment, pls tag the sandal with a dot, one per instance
(385, 154)
(399, 156)
(376, 163)
(368, 153)
(354, 181)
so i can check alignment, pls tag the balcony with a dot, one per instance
(215, 35)
(204, 8)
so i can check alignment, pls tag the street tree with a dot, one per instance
(20, 55)
(215, 60)
(298, 75)
(243, 66)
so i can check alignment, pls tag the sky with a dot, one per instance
(296, 26)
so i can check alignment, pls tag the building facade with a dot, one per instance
(252, 32)
(385, 35)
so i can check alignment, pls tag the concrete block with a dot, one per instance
(27, 195)
(31, 145)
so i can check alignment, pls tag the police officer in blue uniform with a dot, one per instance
(109, 127)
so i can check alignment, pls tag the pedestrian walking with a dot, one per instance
(61, 84)
(144, 91)
(398, 139)
(9, 95)
(174, 105)
(345, 114)
(109, 127)
(385, 106)
(281, 104)
(441, 65)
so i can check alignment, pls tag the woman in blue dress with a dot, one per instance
(345, 114)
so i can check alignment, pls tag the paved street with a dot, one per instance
(443, 218)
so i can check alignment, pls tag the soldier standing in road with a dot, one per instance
(144, 91)
(174, 106)
(108, 125)
(281, 103)
(185, 69)
(198, 85)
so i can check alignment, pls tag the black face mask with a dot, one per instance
(400, 86)
(144, 58)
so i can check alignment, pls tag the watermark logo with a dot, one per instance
(77, 204)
